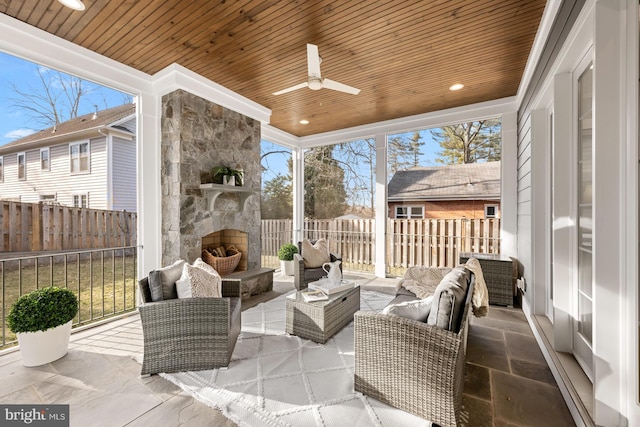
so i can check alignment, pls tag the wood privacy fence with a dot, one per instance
(425, 242)
(30, 227)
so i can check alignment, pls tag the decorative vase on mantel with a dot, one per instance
(227, 176)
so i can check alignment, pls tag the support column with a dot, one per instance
(509, 185)
(381, 206)
(297, 156)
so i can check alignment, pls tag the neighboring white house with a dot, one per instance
(88, 161)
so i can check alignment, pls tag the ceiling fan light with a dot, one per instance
(73, 4)
(315, 84)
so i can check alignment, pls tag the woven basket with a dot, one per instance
(223, 265)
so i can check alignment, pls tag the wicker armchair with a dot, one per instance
(410, 365)
(303, 276)
(189, 334)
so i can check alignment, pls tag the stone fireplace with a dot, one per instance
(198, 135)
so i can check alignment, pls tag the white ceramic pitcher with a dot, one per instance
(334, 274)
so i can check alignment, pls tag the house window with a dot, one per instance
(1, 169)
(22, 166)
(79, 157)
(80, 201)
(48, 199)
(409, 212)
(45, 165)
(490, 211)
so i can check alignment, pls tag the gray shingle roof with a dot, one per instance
(80, 123)
(447, 182)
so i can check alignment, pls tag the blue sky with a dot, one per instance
(14, 123)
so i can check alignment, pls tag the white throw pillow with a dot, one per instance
(315, 255)
(416, 310)
(198, 282)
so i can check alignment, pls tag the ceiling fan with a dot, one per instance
(314, 80)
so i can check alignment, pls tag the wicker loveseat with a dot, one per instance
(412, 365)
(189, 334)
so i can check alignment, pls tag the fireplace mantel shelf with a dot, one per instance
(214, 190)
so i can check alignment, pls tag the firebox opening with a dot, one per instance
(226, 238)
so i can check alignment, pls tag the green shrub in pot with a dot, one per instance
(286, 252)
(42, 322)
(42, 309)
(285, 255)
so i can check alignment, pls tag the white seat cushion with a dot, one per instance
(417, 309)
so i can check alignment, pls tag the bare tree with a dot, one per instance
(56, 98)
(357, 159)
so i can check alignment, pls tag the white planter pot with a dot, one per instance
(42, 347)
(229, 180)
(286, 268)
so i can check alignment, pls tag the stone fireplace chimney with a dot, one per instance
(198, 135)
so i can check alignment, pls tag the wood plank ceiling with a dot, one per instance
(403, 55)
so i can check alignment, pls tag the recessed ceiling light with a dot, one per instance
(456, 86)
(73, 4)
(304, 122)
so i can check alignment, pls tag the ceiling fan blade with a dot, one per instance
(313, 60)
(291, 89)
(331, 84)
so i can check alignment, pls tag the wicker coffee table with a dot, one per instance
(320, 320)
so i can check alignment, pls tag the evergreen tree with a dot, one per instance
(403, 151)
(277, 198)
(324, 192)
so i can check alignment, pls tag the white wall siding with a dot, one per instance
(524, 196)
(124, 175)
(58, 179)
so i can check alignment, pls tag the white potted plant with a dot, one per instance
(285, 255)
(227, 176)
(42, 322)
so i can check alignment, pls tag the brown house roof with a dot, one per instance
(81, 123)
(446, 183)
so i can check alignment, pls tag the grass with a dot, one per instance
(104, 284)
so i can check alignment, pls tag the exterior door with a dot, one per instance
(583, 320)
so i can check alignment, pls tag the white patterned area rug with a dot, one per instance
(275, 379)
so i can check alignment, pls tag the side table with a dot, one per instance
(500, 272)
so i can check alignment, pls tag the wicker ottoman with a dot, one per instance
(500, 273)
(320, 320)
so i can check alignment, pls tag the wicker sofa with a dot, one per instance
(189, 334)
(412, 365)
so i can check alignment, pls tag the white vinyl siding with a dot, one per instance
(1, 169)
(524, 197)
(124, 175)
(58, 180)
